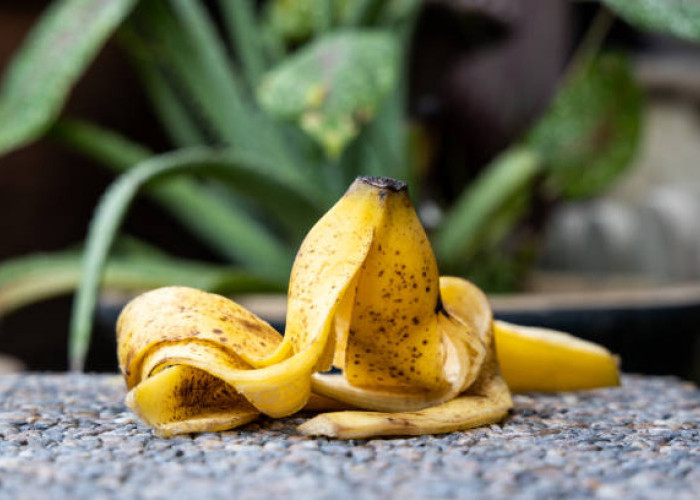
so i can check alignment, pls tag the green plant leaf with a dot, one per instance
(223, 95)
(360, 12)
(104, 146)
(153, 37)
(174, 117)
(294, 207)
(462, 232)
(323, 15)
(397, 12)
(334, 85)
(113, 207)
(59, 48)
(680, 18)
(290, 20)
(255, 132)
(33, 278)
(379, 149)
(244, 31)
(180, 39)
(233, 234)
(590, 133)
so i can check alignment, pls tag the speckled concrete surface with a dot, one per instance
(71, 436)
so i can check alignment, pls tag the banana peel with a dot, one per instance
(544, 360)
(417, 351)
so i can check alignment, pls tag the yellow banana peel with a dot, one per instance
(416, 351)
(540, 359)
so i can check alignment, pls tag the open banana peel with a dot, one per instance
(416, 350)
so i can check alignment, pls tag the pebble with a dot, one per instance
(69, 435)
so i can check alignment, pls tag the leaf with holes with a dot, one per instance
(591, 132)
(333, 86)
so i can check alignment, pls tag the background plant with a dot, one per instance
(271, 120)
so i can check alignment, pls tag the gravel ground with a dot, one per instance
(71, 436)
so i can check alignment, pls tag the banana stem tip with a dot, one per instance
(383, 183)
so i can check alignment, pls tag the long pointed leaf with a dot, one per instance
(198, 29)
(457, 237)
(54, 56)
(254, 132)
(174, 117)
(102, 145)
(157, 37)
(231, 233)
(184, 45)
(112, 209)
(245, 31)
(33, 278)
(294, 206)
(181, 96)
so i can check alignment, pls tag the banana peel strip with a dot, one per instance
(364, 296)
(487, 402)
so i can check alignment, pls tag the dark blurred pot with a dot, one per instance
(655, 331)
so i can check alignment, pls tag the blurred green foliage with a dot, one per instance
(590, 133)
(282, 112)
(680, 18)
(334, 86)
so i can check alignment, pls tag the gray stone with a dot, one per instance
(70, 436)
